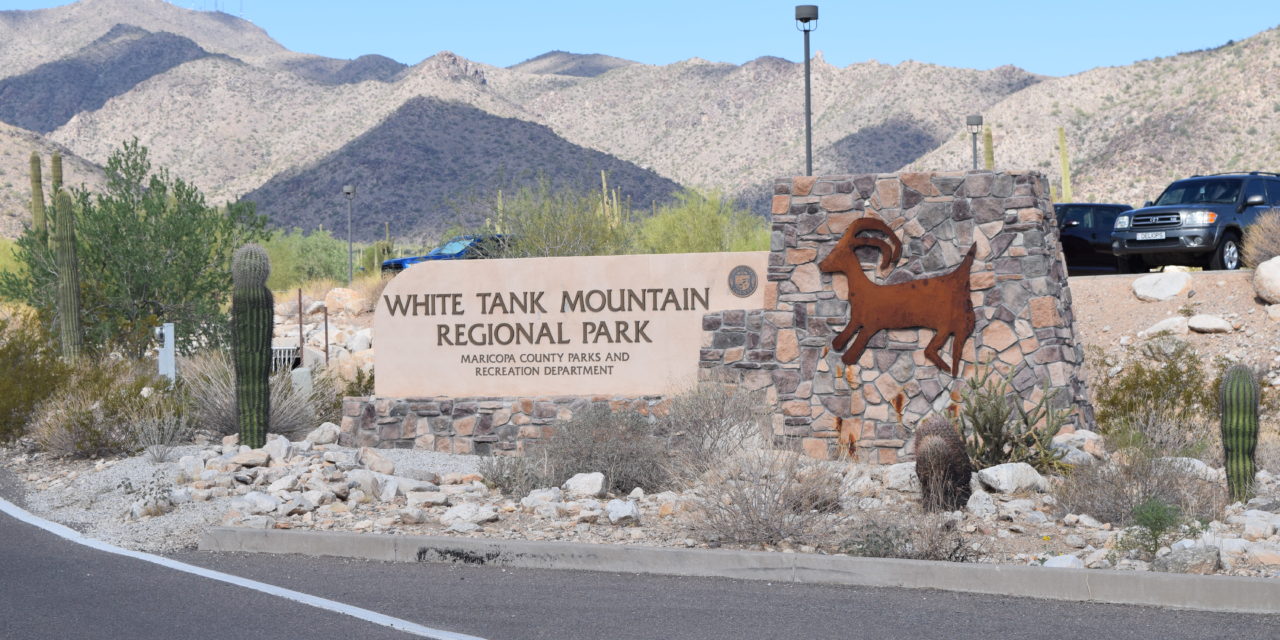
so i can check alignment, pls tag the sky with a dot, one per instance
(1052, 38)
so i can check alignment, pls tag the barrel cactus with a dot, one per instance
(942, 464)
(1239, 400)
(252, 306)
(70, 331)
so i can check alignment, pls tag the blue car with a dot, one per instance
(460, 248)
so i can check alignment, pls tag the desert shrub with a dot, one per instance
(768, 496)
(31, 371)
(545, 221)
(623, 445)
(91, 412)
(908, 536)
(1156, 523)
(298, 257)
(711, 422)
(698, 222)
(370, 287)
(210, 382)
(512, 475)
(8, 262)
(160, 424)
(1112, 492)
(999, 429)
(1261, 240)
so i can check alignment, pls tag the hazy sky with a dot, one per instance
(1053, 38)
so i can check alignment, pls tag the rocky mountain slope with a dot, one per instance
(16, 146)
(564, 63)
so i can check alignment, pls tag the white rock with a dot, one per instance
(287, 483)
(343, 300)
(1263, 553)
(366, 480)
(1192, 467)
(902, 477)
(1066, 561)
(390, 487)
(258, 502)
(1258, 528)
(426, 498)
(1205, 323)
(462, 526)
(326, 433)
(412, 515)
(1157, 287)
(540, 497)
(469, 512)
(622, 512)
(1177, 325)
(191, 466)
(251, 458)
(1098, 559)
(375, 461)
(1266, 280)
(1011, 477)
(360, 340)
(1086, 520)
(585, 485)
(638, 493)
(981, 504)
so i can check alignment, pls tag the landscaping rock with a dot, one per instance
(1011, 477)
(375, 461)
(902, 477)
(413, 515)
(1158, 287)
(426, 498)
(1198, 560)
(469, 512)
(981, 504)
(278, 447)
(1193, 467)
(623, 512)
(326, 433)
(1266, 280)
(1205, 323)
(1263, 553)
(585, 485)
(251, 458)
(1066, 561)
(343, 300)
(1176, 325)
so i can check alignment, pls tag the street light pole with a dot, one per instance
(975, 127)
(350, 192)
(806, 21)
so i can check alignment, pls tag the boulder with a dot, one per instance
(366, 481)
(343, 300)
(1177, 325)
(411, 515)
(1265, 553)
(278, 447)
(326, 433)
(585, 485)
(258, 502)
(1192, 467)
(1258, 528)
(360, 340)
(981, 504)
(1065, 561)
(426, 498)
(1266, 280)
(375, 461)
(1205, 323)
(251, 458)
(902, 477)
(539, 497)
(1158, 287)
(1198, 560)
(469, 512)
(1011, 477)
(623, 512)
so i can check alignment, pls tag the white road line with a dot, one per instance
(320, 603)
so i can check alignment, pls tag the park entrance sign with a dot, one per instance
(598, 325)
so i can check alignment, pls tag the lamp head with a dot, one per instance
(348, 190)
(974, 123)
(806, 17)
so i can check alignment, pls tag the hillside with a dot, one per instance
(420, 168)
(16, 146)
(46, 97)
(1131, 130)
(564, 63)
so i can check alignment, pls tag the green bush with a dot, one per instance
(30, 373)
(543, 221)
(698, 223)
(298, 258)
(999, 429)
(8, 261)
(91, 413)
(623, 445)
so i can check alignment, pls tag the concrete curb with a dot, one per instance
(1207, 593)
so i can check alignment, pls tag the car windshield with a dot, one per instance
(452, 247)
(1218, 191)
(1078, 215)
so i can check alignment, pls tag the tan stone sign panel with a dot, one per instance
(608, 325)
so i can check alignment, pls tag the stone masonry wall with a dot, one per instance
(1018, 286)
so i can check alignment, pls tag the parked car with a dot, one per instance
(1198, 221)
(1085, 232)
(471, 247)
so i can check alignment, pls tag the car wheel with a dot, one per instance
(1131, 264)
(1227, 256)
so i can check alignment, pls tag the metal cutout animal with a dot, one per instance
(940, 303)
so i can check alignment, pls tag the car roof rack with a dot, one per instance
(1238, 173)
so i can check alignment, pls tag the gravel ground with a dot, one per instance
(95, 497)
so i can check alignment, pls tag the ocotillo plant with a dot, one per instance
(1065, 163)
(1239, 399)
(988, 150)
(37, 196)
(251, 307)
(64, 243)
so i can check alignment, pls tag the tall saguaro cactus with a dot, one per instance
(64, 244)
(1065, 162)
(988, 149)
(1239, 399)
(251, 307)
(38, 220)
(55, 172)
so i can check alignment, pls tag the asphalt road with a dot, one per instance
(53, 588)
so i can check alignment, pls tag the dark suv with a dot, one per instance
(1197, 222)
(1085, 230)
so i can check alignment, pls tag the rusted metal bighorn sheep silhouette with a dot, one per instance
(940, 303)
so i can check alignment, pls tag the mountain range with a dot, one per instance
(219, 102)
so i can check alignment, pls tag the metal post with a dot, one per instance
(302, 338)
(975, 150)
(350, 255)
(326, 336)
(808, 113)
(168, 366)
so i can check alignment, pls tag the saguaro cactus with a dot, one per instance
(1065, 162)
(988, 149)
(64, 243)
(38, 221)
(1239, 399)
(251, 307)
(55, 172)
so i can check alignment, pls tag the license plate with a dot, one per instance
(1151, 235)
